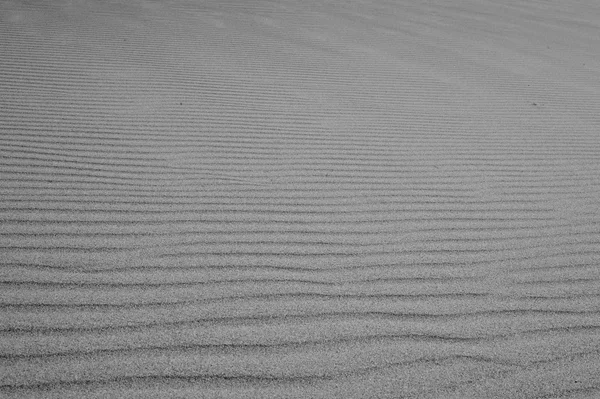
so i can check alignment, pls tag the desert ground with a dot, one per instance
(300, 199)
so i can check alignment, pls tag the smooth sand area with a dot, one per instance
(300, 199)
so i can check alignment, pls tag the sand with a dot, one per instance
(300, 199)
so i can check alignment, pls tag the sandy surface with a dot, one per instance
(300, 199)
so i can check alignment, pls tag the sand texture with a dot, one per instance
(300, 199)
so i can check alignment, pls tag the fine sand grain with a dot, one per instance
(300, 199)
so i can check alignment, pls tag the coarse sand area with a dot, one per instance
(300, 199)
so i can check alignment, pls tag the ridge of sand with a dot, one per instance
(300, 199)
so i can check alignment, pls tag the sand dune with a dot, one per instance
(300, 199)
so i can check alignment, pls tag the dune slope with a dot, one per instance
(300, 199)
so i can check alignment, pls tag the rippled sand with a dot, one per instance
(300, 199)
